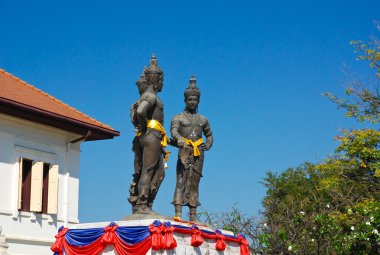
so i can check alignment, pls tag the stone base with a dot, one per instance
(153, 217)
(183, 240)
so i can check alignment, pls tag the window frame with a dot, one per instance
(48, 160)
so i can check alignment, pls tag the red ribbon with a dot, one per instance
(94, 248)
(109, 236)
(220, 243)
(157, 238)
(140, 248)
(244, 250)
(169, 241)
(58, 244)
(196, 238)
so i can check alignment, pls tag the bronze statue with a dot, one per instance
(152, 138)
(186, 129)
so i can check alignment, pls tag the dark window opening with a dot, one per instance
(45, 188)
(26, 184)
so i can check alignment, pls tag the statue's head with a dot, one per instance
(141, 83)
(192, 95)
(154, 75)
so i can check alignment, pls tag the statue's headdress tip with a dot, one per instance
(153, 66)
(193, 82)
(153, 60)
(192, 89)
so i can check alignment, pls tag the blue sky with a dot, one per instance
(261, 67)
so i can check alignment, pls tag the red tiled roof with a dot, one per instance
(16, 91)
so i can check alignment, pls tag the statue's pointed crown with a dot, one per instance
(153, 67)
(192, 89)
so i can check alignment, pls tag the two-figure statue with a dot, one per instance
(150, 140)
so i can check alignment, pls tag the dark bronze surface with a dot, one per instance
(189, 125)
(148, 163)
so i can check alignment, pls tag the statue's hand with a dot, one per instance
(141, 129)
(204, 147)
(173, 142)
(181, 142)
(135, 105)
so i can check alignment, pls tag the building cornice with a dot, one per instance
(55, 120)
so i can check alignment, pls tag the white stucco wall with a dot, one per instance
(26, 231)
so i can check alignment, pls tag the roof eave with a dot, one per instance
(55, 120)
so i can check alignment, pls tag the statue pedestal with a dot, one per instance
(183, 233)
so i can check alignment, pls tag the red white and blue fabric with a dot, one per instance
(130, 240)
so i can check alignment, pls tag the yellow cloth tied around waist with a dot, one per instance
(154, 124)
(158, 126)
(194, 145)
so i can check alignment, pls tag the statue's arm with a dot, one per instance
(174, 127)
(208, 134)
(142, 110)
(133, 115)
(146, 103)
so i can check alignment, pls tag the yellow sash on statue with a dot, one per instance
(154, 124)
(158, 126)
(194, 145)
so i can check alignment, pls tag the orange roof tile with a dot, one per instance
(18, 91)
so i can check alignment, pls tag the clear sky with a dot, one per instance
(261, 67)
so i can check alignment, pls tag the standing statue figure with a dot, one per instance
(153, 140)
(136, 145)
(186, 129)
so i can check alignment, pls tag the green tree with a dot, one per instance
(328, 208)
(331, 207)
(363, 100)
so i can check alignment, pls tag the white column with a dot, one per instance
(15, 189)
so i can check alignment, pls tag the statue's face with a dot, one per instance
(192, 102)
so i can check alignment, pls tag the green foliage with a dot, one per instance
(332, 207)
(362, 102)
(327, 208)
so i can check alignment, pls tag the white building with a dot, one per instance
(40, 139)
